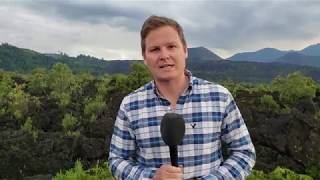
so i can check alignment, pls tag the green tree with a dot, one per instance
(294, 87)
(29, 128)
(118, 83)
(69, 123)
(6, 85)
(62, 82)
(138, 76)
(19, 101)
(93, 106)
(268, 102)
(38, 82)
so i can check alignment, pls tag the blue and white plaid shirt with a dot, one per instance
(210, 116)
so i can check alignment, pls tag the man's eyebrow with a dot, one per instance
(167, 43)
(172, 42)
(154, 46)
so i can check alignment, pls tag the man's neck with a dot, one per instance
(172, 89)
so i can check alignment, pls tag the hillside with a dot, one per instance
(263, 55)
(309, 56)
(253, 72)
(299, 59)
(24, 60)
(312, 50)
(202, 54)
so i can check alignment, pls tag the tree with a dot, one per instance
(138, 76)
(93, 107)
(38, 82)
(269, 103)
(29, 128)
(18, 102)
(294, 87)
(6, 85)
(69, 123)
(62, 82)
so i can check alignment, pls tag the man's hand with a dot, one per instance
(166, 172)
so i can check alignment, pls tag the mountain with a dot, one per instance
(299, 59)
(263, 55)
(309, 56)
(202, 53)
(16, 59)
(254, 72)
(313, 50)
(23, 60)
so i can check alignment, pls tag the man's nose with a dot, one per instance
(164, 54)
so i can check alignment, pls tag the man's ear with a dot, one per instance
(144, 59)
(186, 50)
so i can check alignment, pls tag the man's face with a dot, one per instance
(165, 54)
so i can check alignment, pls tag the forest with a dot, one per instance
(55, 123)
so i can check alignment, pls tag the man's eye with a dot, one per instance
(154, 49)
(172, 46)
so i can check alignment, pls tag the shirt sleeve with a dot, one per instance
(235, 135)
(122, 154)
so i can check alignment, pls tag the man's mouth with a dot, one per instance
(166, 65)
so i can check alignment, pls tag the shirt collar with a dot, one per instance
(186, 72)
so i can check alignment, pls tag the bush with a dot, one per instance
(294, 87)
(69, 122)
(78, 173)
(283, 174)
(28, 127)
(268, 102)
(277, 174)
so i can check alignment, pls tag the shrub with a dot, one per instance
(277, 174)
(69, 122)
(28, 127)
(294, 87)
(99, 172)
(268, 102)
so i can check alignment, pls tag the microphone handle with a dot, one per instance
(174, 155)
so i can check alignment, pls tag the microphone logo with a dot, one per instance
(193, 125)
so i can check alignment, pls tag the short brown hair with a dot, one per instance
(155, 22)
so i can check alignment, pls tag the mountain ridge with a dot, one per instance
(202, 53)
(309, 56)
(22, 60)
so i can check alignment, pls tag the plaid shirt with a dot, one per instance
(210, 116)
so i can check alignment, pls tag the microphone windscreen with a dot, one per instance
(172, 128)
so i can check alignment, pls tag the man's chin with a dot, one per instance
(164, 78)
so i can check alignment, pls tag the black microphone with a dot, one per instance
(172, 131)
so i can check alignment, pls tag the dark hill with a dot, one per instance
(202, 53)
(303, 57)
(263, 55)
(204, 64)
(313, 50)
(299, 59)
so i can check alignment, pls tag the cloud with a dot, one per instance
(110, 29)
(255, 24)
(47, 33)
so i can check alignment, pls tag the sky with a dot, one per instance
(111, 29)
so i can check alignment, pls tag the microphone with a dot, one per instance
(172, 132)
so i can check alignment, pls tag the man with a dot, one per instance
(211, 116)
